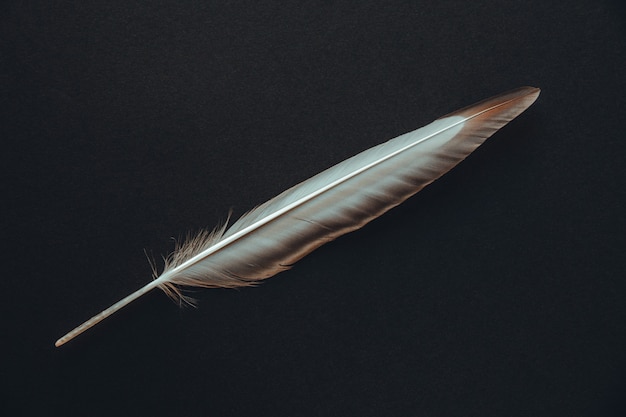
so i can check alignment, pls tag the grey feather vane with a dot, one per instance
(275, 235)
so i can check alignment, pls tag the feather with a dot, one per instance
(273, 236)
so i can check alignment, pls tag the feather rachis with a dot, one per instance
(275, 235)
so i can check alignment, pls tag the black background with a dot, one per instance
(499, 290)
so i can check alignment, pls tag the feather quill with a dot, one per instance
(273, 236)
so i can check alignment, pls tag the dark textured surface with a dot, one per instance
(498, 290)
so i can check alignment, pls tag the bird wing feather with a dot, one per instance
(273, 236)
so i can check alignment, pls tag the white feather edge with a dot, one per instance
(273, 236)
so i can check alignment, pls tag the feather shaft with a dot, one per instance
(106, 313)
(273, 236)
